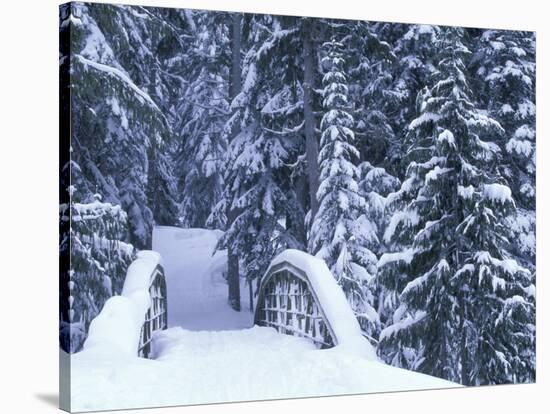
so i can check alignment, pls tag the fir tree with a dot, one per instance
(416, 62)
(495, 293)
(122, 135)
(340, 231)
(505, 69)
(161, 185)
(256, 165)
(98, 260)
(204, 112)
(375, 185)
(454, 235)
(372, 89)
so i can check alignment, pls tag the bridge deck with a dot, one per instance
(251, 364)
(218, 357)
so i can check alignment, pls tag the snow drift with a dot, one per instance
(119, 323)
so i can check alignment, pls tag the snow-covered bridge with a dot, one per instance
(303, 339)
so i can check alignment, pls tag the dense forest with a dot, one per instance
(403, 155)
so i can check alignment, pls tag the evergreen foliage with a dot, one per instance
(340, 232)
(256, 166)
(99, 259)
(203, 112)
(458, 259)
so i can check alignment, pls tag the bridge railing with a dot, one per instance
(156, 318)
(288, 303)
(299, 296)
(127, 322)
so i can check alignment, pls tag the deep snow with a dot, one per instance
(214, 359)
(249, 364)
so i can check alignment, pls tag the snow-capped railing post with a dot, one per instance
(299, 296)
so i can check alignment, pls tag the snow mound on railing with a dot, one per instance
(138, 276)
(332, 300)
(118, 326)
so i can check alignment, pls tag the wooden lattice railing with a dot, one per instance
(287, 302)
(156, 318)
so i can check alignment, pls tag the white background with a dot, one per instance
(29, 206)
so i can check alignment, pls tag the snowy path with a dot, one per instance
(197, 292)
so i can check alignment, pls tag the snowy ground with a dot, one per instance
(212, 358)
(250, 364)
(197, 292)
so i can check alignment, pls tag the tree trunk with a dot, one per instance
(233, 279)
(295, 220)
(464, 354)
(251, 296)
(236, 69)
(312, 146)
